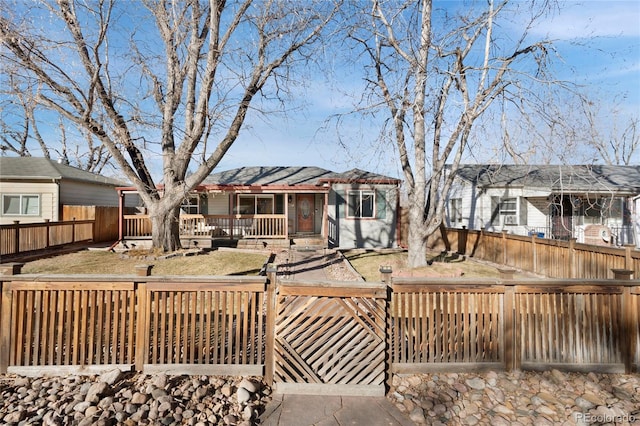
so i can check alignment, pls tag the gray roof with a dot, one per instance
(287, 176)
(556, 178)
(39, 168)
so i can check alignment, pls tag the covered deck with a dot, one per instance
(215, 226)
(252, 215)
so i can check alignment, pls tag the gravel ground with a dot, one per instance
(518, 398)
(131, 399)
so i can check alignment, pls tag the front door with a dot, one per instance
(305, 212)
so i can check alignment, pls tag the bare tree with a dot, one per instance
(165, 76)
(615, 141)
(574, 127)
(436, 78)
(18, 125)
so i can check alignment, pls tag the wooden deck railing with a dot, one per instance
(24, 237)
(220, 226)
(230, 325)
(551, 258)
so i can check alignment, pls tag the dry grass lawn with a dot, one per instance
(368, 262)
(104, 262)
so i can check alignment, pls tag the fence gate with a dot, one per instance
(330, 338)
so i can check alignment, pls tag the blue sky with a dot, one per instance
(598, 43)
(599, 46)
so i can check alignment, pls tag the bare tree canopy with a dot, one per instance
(436, 73)
(172, 77)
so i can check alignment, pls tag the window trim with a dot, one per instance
(186, 204)
(255, 202)
(20, 207)
(360, 193)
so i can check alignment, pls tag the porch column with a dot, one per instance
(286, 215)
(325, 218)
(233, 208)
(120, 215)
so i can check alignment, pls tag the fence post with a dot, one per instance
(48, 239)
(627, 256)
(510, 352)
(385, 274)
(463, 236)
(388, 330)
(73, 230)
(16, 237)
(6, 300)
(534, 252)
(12, 268)
(572, 258)
(628, 345)
(504, 247)
(269, 351)
(141, 352)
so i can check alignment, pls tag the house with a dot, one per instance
(594, 204)
(275, 205)
(33, 189)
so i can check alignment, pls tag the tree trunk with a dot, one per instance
(417, 239)
(165, 225)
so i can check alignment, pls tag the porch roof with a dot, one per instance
(556, 178)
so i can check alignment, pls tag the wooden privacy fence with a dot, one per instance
(315, 337)
(25, 237)
(105, 219)
(215, 326)
(537, 324)
(551, 258)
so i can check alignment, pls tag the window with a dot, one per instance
(21, 205)
(510, 211)
(191, 205)
(455, 211)
(255, 204)
(361, 204)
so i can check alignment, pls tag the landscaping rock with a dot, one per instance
(127, 399)
(502, 398)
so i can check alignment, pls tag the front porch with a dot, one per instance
(249, 231)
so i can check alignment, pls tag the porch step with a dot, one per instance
(307, 244)
(261, 244)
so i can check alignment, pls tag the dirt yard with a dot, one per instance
(368, 262)
(219, 262)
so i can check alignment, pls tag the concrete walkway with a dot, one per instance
(322, 410)
(307, 410)
(306, 265)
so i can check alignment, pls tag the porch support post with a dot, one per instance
(232, 203)
(325, 218)
(120, 215)
(286, 215)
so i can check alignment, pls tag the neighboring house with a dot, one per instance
(352, 209)
(34, 189)
(592, 203)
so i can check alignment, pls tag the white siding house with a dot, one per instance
(34, 189)
(549, 201)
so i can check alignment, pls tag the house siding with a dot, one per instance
(86, 194)
(478, 206)
(376, 232)
(48, 192)
(218, 204)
